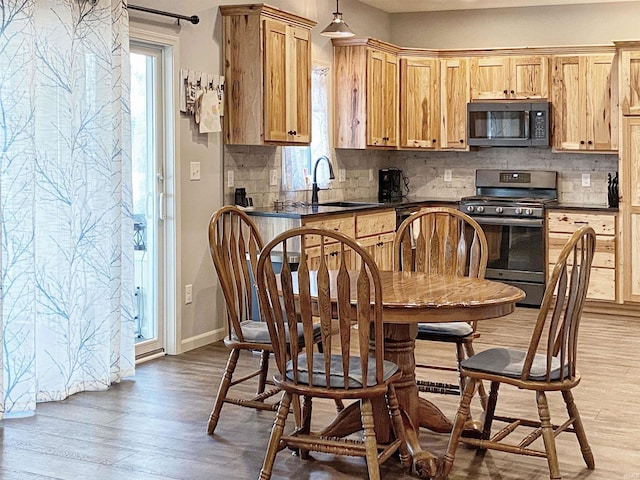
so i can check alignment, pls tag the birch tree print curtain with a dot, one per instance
(66, 304)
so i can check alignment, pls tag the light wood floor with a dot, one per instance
(153, 426)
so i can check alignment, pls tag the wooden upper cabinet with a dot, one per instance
(382, 99)
(629, 54)
(505, 77)
(454, 96)
(366, 94)
(584, 103)
(419, 103)
(267, 64)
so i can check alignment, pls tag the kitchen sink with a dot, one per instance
(347, 204)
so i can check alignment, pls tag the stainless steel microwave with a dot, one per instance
(508, 124)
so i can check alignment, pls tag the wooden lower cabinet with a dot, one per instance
(374, 231)
(560, 227)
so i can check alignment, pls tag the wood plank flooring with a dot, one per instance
(153, 426)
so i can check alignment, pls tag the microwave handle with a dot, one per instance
(527, 117)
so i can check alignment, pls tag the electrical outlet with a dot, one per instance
(586, 179)
(195, 171)
(188, 294)
(273, 178)
(447, 175)
(371, 175)
(342, 175)
(230, 180)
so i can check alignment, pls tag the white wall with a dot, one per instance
(595, 24)
(200, 49)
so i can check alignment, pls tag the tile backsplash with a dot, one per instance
(424, 170)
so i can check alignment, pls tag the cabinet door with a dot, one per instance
(382, 70)
(419, 103)
(299, 86)
(568, 103)
(630, 75)
(489, 78)
(287, 83)
(630, 208)
(454, 96)
(601, 123)
(275, 81)
(529, 77)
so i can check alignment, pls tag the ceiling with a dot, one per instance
(395, 6)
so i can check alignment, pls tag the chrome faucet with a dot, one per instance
(314, 186)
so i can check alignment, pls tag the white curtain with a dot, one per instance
(66, 304)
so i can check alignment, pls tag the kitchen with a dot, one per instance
(252, 165)
(442, 176)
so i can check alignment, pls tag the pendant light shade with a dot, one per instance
(338, 28)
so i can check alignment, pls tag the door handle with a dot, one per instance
(161, 207)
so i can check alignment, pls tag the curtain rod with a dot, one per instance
(193, 19)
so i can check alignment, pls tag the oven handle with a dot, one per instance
(516, 222)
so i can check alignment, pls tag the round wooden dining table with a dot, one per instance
(409, 298)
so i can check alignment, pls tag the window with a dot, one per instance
(297, 162)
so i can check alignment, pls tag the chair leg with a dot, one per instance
(482, 392)
(398, 426)
(587, 454)
(305, 426)
(223, 390)
(369, 437)
(547, 436)
(456, 432)
(276, 435)
(490, 411)
(264, 370)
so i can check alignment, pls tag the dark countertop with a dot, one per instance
(589, 208)
(299, 210)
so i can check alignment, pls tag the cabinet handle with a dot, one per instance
(590, 142)
(504, 91)
(333, 254)
(461, 141)
(581, 142)
(512, 92)
(434, 140)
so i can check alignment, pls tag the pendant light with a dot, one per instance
(338, 28)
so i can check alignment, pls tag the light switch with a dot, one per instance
(274, 178)
(447, 175)
(195, 171)
(342, 175)
(586, 179)
(371, 175)
(230, 180)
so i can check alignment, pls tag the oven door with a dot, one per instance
(516, 254)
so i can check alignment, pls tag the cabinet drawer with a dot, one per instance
(570, 222)
(605, 254)
(602, 283)
(375, 223)
(342, 224)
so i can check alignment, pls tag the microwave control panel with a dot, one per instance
(539, 126)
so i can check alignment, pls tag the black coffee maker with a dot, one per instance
(389, 185)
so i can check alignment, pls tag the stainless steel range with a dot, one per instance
(510, 207)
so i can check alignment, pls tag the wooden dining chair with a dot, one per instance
(549, 364)
(446, 241)
(235, 243)
(351, 367)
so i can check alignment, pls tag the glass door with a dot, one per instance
(147, 113)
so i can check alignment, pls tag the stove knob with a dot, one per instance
(518, 211)
(528, 211)
(470, 208)
(480, 209)
(499, 210)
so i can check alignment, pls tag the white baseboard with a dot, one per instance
(202, 339)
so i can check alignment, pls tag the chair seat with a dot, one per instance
(454, 330)
(258, 332)
(508, 363)
(337, 379)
